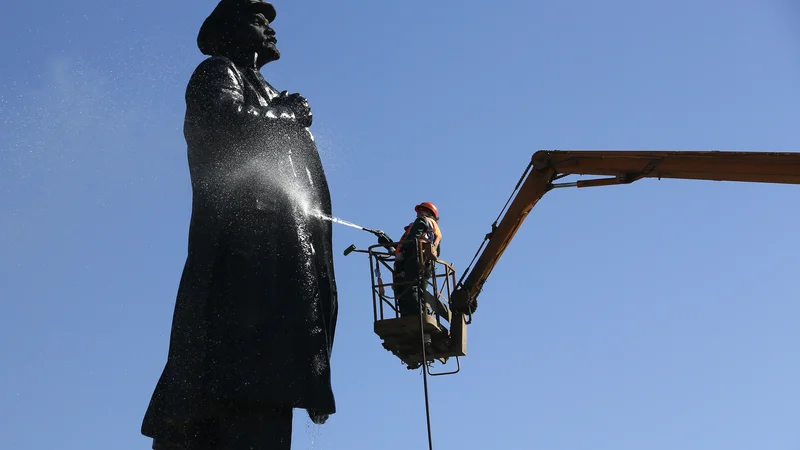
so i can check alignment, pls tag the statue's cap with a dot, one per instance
(213, 30)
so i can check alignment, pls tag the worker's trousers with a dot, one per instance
(409, 285)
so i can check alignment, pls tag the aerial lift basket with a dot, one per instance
(442, 331)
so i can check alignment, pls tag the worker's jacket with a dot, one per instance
(425, 229)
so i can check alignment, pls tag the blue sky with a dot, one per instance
(660, 315)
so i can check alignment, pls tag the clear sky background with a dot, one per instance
(659, 316)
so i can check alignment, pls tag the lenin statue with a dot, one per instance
(256, 308)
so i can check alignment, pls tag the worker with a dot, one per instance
(407, 269)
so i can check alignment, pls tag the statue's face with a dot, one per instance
(255, 33)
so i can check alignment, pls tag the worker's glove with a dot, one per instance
(385, 241)
(298, 104)
(382, 237)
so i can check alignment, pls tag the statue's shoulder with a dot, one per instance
(216, 61)
(216, 65)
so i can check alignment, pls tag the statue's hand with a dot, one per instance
(317, 417)
(298, 104)
(305, 117)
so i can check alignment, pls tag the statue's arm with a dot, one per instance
(215, 95)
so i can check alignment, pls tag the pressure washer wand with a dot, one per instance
(382, 239)
(375, 232)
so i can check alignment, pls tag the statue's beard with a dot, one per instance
(269, 51)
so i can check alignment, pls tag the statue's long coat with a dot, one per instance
(256, 308)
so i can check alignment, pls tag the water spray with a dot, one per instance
(318, 214)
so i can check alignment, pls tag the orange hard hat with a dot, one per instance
(430, 207)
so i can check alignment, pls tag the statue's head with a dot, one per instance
(240, 26)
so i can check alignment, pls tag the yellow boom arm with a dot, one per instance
(619, 167)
